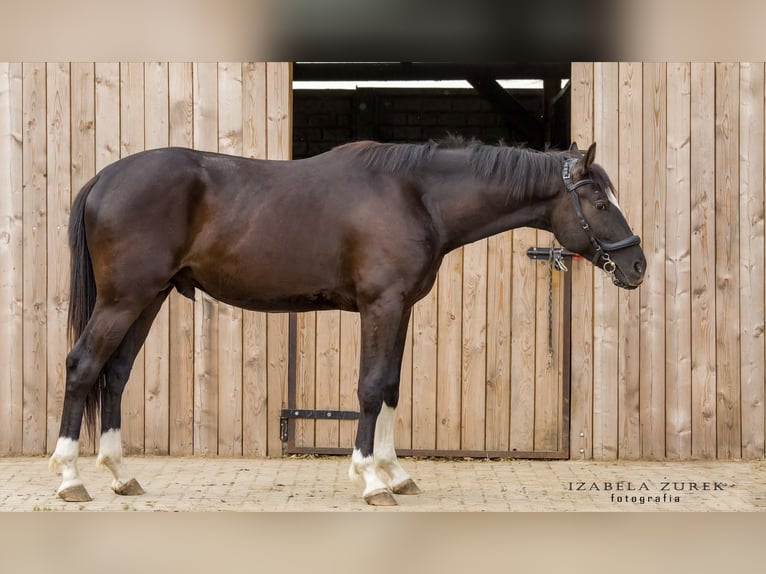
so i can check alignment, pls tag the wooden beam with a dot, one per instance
(384, 71)
(515, 115)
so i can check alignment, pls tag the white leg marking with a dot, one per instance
(64, 460)
(362, 472)
(110, 456)
(383, 450)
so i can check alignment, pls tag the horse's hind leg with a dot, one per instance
(117, 371)
(84, 364)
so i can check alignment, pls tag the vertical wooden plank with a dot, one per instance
(424, 370)
(348, 359)
(59, 199)
(131, 142)
(652, 345)
(328, 375)
(403, 418)
(605, 296)
(751, 195)
(630, 185)
(727, 230)
(703, 240)
(230, 318)
(107, 114)
(107, 130)
(157, 346)
(11, 260)
(83, 118)
(279, 146)
(180, 309)
(547, 357)
(523, 344)
(306, 379)
(206, 378)
(474, 347)
(678, 401)
(254, 330)
(35, 215)
(581, 435)
(499, 296)
(449, 363)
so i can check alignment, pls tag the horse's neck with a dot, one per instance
(466, 210)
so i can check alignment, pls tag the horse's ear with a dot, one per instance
(590, 156)
(573, 148)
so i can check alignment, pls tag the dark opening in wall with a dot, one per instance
(325, 118)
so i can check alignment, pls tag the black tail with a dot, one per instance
(82, 295)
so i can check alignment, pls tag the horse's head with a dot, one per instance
(587, 220)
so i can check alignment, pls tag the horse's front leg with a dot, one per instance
(373, 463)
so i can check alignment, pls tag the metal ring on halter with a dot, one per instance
(609, 265)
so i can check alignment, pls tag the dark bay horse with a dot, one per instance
(361, 228)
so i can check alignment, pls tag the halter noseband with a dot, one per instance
(603, 248)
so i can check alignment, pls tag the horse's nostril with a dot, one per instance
(638, 268)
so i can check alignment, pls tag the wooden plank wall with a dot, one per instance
(210, 378)
(675, 369)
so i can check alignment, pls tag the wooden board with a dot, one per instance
(629, 190)
(523, 343)
(605, 296)
(751, 260)
(11, 260)
(254, 330)
(727, 268)
(131, 142)
(424, 370)
(206, 342)
(499, 297)
(449, 351)
(279, 146)
(678, 399)
(328, 375)
(180, 309)
(703, 328)
(230, 350)
(157, 346)
(652, 346)
(59, 169)
(348, 367)
(474, 346)
(547, 391)
(35, 214)
(581, 435)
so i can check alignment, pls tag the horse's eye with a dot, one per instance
(601, 205)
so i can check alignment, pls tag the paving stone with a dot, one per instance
(321, 484)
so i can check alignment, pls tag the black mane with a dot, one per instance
(513, 168)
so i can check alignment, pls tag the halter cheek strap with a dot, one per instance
(603, 248)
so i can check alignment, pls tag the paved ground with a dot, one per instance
(321, 484)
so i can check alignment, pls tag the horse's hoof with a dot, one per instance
(407, 487)
(130, 488)
(381, 497)
(75, 493)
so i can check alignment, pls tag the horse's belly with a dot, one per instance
(270, 294)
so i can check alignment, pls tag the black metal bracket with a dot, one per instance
(544, 253)
(325, 415)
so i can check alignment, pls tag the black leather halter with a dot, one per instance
(603, 248)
